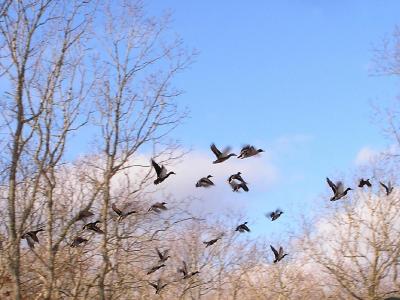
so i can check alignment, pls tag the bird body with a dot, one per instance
(31, 237)
(338, 190)
(212, 242)
(155, 268)
(93, 227)
(243, 227)
(238, 177)
(279, 255)
(163, 256)
(77, 241)
(121, 214)
(84, 214)
(221, 156)
(162, 173)
(275, 214)
(158, 206)
(205, 182)
(248, 151)
(364, 182)
(236, 186)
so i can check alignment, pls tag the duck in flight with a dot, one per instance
(121, 214)
(248, 151)
(364, 182)
(184, 271)
(161, 172)
(155, 268)
(274, 214)
(213, 241)
(205, 182)
(31, 237)
(338, 190)
(93, 227)
(242, 227)
(236, 186)
(279, 255)
(158, 286)
(158, 206)
(238, 177)
(221, 156)
(77, 241)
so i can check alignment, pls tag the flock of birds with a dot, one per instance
(235, 181)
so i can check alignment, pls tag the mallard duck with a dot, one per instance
(236, 186)
(248, 151)
(278, 255)
(213, 241)
(161, 172)
(77, 241)
(364, 182)
(158, 286)
(84, 214)
(93, 227)
(243, 227)
(162, 255)
(388, 188)
(205, 182)
(274, 214)
(237, 176)
(158, 206)
(31, 237)
(338, 190)
(184, 271)
(155, 268)
(221, 156)
(121, 215)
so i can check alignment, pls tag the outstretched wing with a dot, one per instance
(115, 208)
(156, 167)
(275, 252)
(215, 150)
(332, 185)
(339, 187)
(280, 251)
(226, 151)
(159, 253)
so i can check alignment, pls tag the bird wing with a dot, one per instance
(245, 227)
(275, 252)
(332, 185)
(115, 208)
(339, 187)
(215, 150)
(280, 251)
(33, 236)
(184, 268)
(226, 151)
(384, 186)
(156, 167)
(244, 187)
(153, 285)
(159, 253)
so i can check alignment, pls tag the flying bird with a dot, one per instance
(155, 268)
(83, 214)
(78, 241)
(93, 227)
(158, 286)
(121, 215)
(338, 190)
(243, 227)
(237, 177)
(364, 182)
(278, 255)
(162, 255)
(158, 206)
(161, 172)
(31, 237)
(236, 186)
(274, 214)
(184, 271)
(205, 182)
(248, 151)
(213, 241)
(388, 188)
(221, 156)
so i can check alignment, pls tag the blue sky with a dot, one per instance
(290, 76)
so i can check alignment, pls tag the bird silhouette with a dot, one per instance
(278, 255)
(338, 190)
(248, 151)
(161, 172)
(221, 156)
